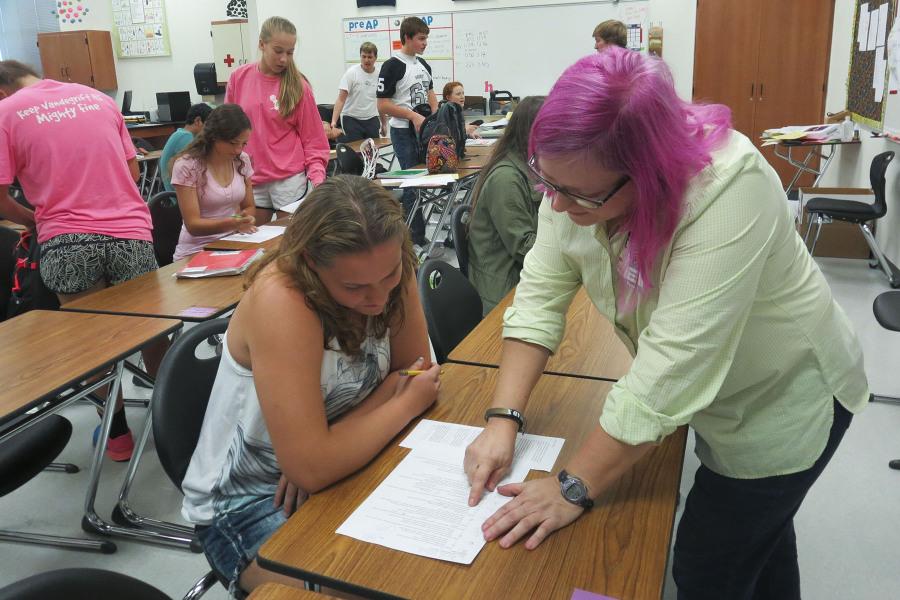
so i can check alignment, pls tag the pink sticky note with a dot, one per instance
(585, 595)
(198, 311)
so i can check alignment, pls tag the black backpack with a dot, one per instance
(448, 120)
(28, 289)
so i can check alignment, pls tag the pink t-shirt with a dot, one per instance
(68, 145)
(216, 202)
(280, 148)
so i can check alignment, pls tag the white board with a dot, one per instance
(522, 50)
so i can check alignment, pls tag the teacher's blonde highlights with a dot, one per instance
(291, 90)
(345, 215)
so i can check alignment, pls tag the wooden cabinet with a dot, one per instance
(767, 60)
(84, 57)
(233, 45)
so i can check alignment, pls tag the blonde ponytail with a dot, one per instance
(291, 89)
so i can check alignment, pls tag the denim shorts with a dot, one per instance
(232, 540)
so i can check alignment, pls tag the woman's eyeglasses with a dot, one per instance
(578, 199)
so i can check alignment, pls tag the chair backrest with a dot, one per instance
(452, 305)
(349, 162)
(876, 178)
(81, 584)
(180, 396)
(459, 224)
(167, 223)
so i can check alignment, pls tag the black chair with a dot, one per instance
(452, 305)
(459, 224)
(22, 457)
(824, 210)
(167, 223)
(80, 584)
(887, 312)
(179, 401)
(348, 161)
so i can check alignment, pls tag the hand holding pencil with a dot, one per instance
(417, 386)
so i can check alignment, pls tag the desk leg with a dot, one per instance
(448, 208)
(91, 521)
(801, 168)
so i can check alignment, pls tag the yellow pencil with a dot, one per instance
(413, 372)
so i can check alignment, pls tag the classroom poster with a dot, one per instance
(867, 79)
(139, 28)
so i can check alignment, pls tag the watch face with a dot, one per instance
(574, 491)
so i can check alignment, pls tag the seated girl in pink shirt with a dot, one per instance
(288, 145)
(212, 180)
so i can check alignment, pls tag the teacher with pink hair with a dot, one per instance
(680, 233)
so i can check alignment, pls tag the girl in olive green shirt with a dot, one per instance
(503, 225)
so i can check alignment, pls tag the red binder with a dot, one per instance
(216, 263)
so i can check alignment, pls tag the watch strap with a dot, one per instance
(506, 413)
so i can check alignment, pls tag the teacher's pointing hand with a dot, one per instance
(489, 457)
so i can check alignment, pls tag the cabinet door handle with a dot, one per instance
(760, 91)
(752, 90)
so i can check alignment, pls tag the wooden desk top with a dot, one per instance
(161, 294)
(618, 548)
(590, 346)
(277, 591)
(46, 351)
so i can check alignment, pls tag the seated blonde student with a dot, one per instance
(308, 390)
(503, 225)
(212, 180)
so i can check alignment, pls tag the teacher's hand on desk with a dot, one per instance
(537, 504)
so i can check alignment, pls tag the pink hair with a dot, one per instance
(618, 109)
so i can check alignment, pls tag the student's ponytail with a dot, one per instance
(291, 89)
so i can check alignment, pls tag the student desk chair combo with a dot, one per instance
(158, 295)
(618, 548)
(83, 346)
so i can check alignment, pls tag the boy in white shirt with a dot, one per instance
(406, 93)
(356, 109)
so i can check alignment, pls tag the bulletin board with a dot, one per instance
(867, 80)
(496, 48)
(139, 28)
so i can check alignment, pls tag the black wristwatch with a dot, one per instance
(506, 413)
(574, 490)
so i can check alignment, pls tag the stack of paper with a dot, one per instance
(481, 142)
(422, 506)
(803, 133)
(262, 234)
(430, 181)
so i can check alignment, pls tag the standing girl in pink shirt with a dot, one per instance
(68, 146)
(212, 180)
(288, 145)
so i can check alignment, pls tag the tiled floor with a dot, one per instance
(847, 528)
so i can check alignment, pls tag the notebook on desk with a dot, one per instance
(218, 263)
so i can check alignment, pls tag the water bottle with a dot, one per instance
(847, 130)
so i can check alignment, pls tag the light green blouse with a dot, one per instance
(739, 334)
